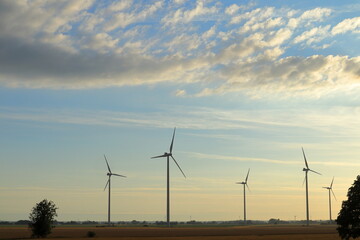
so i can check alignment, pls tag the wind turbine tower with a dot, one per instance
(330, 190)
(108, 183)
(168, 155)
(245, 184)
(306, 170)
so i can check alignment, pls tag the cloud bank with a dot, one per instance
(218, 48)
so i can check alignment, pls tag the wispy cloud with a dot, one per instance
(243, 159)
(267, 160)
(329, 122)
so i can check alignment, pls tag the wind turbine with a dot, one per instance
(109, 183)
(245, 183)
(330, 190)
(306, 170)
(168, 155)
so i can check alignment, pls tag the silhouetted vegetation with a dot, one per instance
(348, 219)
(42, 218)
(91, 234)
(89, 222)
(191, 223)
(277, 221)
(22, 222)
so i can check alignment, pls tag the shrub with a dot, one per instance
(90, 234)
(42, 218)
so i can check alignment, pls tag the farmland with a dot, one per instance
(264, 232)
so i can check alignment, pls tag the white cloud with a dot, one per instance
(180, 92)
(101, 41)
(267, 24)
(133, 48)
(183, 43)
(279, 37)
(210, 33)
(120, 5)
(313, 76)
(314, 35)
(90, 22)
(309, 17)
(347, 25)
(29, 19)
(253, 16)
(232, 9)
(316, 14)
(179, 1)
(46, 45)
(185, 16)
(120, 19)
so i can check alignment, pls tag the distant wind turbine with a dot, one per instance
(245, 183)
(109, 183)
(306, 170)
(168, 155)
(330, 190)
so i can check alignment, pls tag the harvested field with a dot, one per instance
(194, 233)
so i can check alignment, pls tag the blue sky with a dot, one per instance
(246, 83)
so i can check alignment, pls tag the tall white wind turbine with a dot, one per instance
(330, 190)
(168, 155)
(109, 183)
(306, 170)
(245, 184)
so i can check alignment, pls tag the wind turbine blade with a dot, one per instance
(160, 156)
(332, 183)
(107, 163)
(178, 166)
(333, 194)
(314, 171)
(247, 175)
(106, 184)
(306, 164)
(118, 175)
(247, 187)
(172, 141)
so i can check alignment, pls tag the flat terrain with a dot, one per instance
(266, 232)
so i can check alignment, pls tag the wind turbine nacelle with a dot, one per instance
(305, 169)
(108, 174)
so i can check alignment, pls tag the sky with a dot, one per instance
(247, 84)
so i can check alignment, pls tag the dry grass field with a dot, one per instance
(195, 233)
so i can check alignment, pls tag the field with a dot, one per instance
(265, 232)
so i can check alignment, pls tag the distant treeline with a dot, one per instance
(174, 223)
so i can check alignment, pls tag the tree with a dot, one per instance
(274, 221)
(348, 219)
(42, 218)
